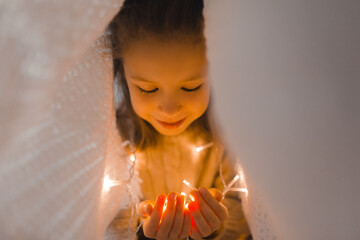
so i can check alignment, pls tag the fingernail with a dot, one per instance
(172, 196)
(180, 199)
(202, 191)
(161, 198)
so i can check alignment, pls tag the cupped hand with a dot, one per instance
(145, 208)
(172, 223)
(207, 212)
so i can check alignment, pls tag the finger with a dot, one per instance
(168, 217)
(145, 208)
(201, 224)
(178, 219)
(216, 193)
(186, 227)
(151, 225)
(208, 214)
(194, 232)
(149, 209)
(218, 208)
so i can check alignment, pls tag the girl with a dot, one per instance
(159, 55)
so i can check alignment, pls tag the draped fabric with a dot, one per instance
(286, 82)
(58, 134)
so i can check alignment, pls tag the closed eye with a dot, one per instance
(191, 89)
(147, 91)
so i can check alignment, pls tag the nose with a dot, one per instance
(170, 105)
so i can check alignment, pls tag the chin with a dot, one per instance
(172, 132)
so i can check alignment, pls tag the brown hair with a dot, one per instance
(164, 20)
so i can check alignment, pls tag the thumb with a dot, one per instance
(216, 193)
(145, 208)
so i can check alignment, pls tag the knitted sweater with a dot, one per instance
(162, 169)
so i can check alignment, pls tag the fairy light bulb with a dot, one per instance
(201, 148)
(189, 184)
(198, 149)
(109, 183)
(106, 184)
(244, 190)
(191, 197)
(243, 187)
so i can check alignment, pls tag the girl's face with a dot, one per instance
(167, 83)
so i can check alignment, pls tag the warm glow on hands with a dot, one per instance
(198, 218)
(207, 212)
(169, 219)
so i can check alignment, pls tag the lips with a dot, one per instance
(171, 125)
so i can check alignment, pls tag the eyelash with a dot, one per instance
(192, 89)
(147, 92)
(154, 90)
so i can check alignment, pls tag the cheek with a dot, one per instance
(140, 103)
(198, 102)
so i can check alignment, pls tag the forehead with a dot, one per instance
(159, 62)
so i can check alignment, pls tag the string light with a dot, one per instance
(189, 185)
(108, 183)
(227, 188)
(186, 204)
(201, 148)
(191, 197)
(242, 179)
(244, 190)
(132, 200)
(233, 181)
(125, 143)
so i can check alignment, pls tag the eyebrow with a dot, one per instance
(137, 78)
